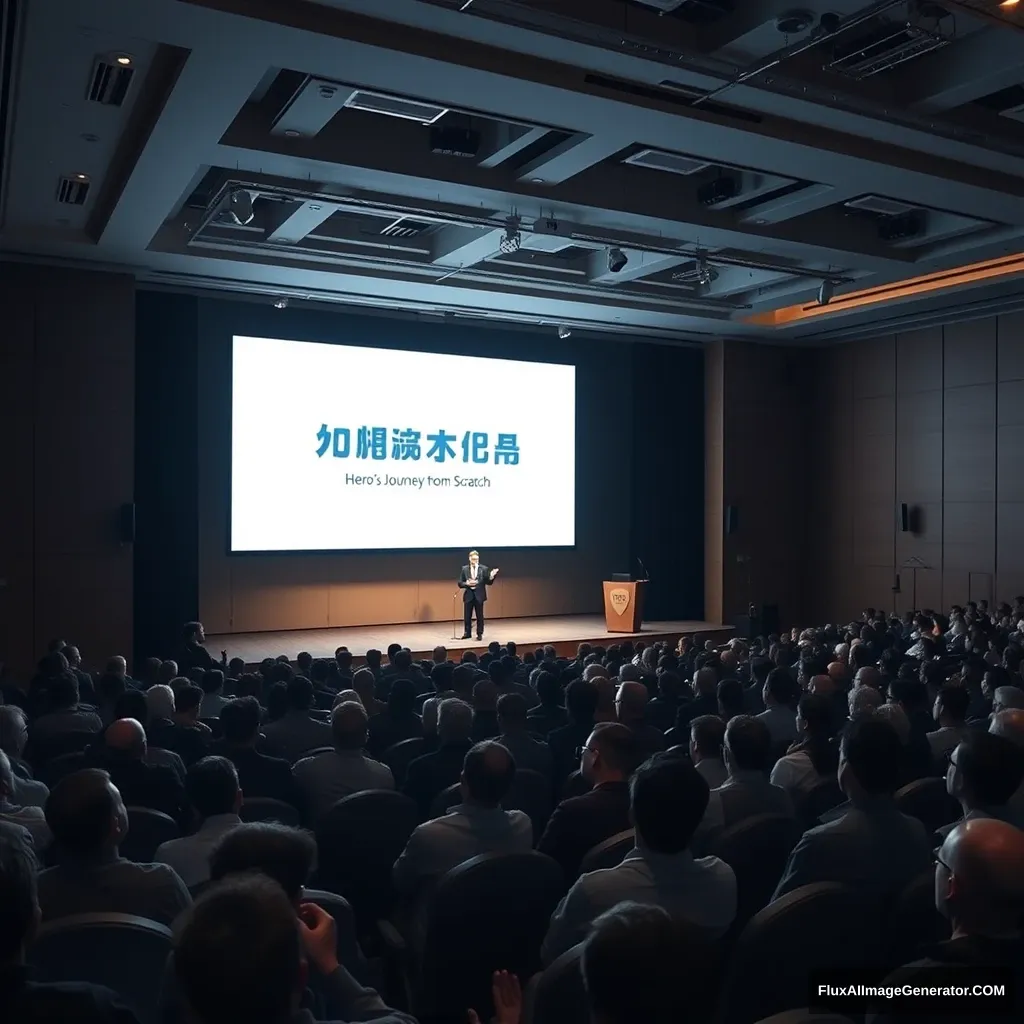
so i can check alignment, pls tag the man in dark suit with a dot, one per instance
(473, 583)
(581, 822)
(429, 774)
(258, 774)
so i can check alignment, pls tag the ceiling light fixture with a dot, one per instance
(239, 206)
(826, 291)
(124, 60)
(704, 275)
(1009, 3)
(281, 303)
(512, 238)
(617, 260)
(564, 332)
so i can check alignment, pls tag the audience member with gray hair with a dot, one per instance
(29, 818)
(863, 700)
(429, 774)
(28, 792)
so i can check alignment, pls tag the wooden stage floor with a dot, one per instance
(563, 632)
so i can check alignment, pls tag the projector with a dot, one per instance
(461, 142)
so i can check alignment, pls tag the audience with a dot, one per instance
(579, 823)
(30, 818)
(529, 753)
(27, 791)
(431, 773)
(214, 794)
(631, 710)
(213, 699)
(564, 741)
(780, 695)
(398, 721)
(707, 734)
(325, 778)
(814, 756)
(873, 847)
(668, 798)
(173, 717)
(88, 820)
(985, 771)
(705, 698)
(258, 774)
(297, 732)
(63, 728)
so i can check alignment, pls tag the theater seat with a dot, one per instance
(557, 995)
(928, 801)
(914, 922)
(446, 800)
(824, 925)
(608, 854)
(125, 953)
(147, 829)
(488, 914)
(265, 808)
(398, 756)
(822, 797)
(349, 953)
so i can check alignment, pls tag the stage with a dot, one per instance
(563, 632)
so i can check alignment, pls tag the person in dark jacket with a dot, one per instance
(429, 774)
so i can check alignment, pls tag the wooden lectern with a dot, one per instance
(624, 606)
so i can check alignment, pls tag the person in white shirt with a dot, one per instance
(29, 818)
(780, 695)
(950, 711)
(815, 756)
(13, 737)
(668, 798)
(211, 785)
(707, 734)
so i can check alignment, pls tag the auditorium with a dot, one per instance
(557, 466)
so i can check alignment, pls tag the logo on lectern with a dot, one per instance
(619, 598)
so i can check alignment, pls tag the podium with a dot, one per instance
(624, 606)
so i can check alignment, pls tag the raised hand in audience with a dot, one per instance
(319, 937)
(508, 1000)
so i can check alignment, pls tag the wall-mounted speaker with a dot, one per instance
(904, 518)
(127, 531)
(732, 519)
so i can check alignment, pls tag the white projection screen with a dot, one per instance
(339, 448)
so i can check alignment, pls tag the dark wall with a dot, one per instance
(67, 381)
(933, 418)
(181, 336)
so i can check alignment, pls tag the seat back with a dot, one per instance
(559, 996)
(349, 953)
(56, 768)
(575, 785)
(530, 793)
(398, 756)
(928, 801)
(126, 954)
(147, 829)
(913, 921)
(463, 947)
(215, 727)
(359, 840)
(824, 925)
(757, 849)
(265, 808)
(821, 797)
(446, 800)
(609, 853)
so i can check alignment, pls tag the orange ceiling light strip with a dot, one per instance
(957, 277)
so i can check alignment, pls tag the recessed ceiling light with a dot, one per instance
(537, 181)
(1009, 3)
(124, 60)
(81, 177)
(292, 133)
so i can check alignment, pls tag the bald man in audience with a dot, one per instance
(979, 889)
(1010, 725)
(122, 754)
(631, 711)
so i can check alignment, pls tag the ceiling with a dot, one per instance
(677, 169)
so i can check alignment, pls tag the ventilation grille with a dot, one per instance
(395, 106)
(659, 160)
(885, 47)
(110, 83)
(405, 228)
(73, 190)
(881, 206)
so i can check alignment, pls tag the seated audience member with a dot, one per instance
(863, 700)
(747, 791)
(731, 698)
(30, 818)
(26, 792)
(1007, 698)
(528, 752)
(477, 825)
(912, 696)
(429, 774)
(192, 653)
(1010, 725)
(549, 713)
(48, 735)
(985, 771)
(485, 710)
(606, 690)
(398, 721)
(239, 956)
(814, 756)
(579, 823)
(132, 704)
(88, 820)
(662, 710)
(631, 711)
(324, 779)
(707, 733)
(950, 712)
(297, 732)
(213, 694)
(979, 888)
(173, 723)
(258, 774)
(873, 847)
(668, 799)
(213, 793)
(566, 740)
(705, 698)
(363, 683)
(22, 1000)
(122, 755)
(780, 696)
(631, 963)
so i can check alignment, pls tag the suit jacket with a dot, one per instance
(260, 775)
(563, 743)
(427, 775)
(581, 822)
(144, 785)
(479, 593)
(874, 848)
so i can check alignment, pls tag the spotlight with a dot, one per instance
(704, 273)
(239, 206)
(124, 60)
(564, 332)
(281, 303)
(617, 260)
(513, 238)
(826, 291)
